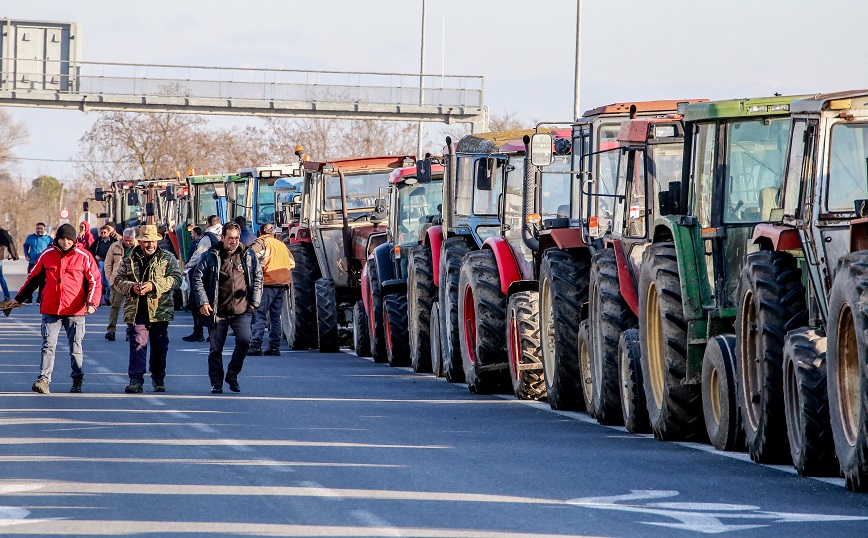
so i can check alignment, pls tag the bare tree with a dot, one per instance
(506, 121)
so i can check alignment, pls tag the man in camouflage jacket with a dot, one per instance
(147, 278)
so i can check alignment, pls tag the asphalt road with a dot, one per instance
(335, 445)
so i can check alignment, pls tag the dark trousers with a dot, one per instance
(194, 308)
(268, 314)
(158, 334)
(217, 335)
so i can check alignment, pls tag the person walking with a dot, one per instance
(99, 249)
(147, 278)
(8, 250)
(277, 264)
(228, 287)
(247, 237)
(209, 238)
(85, 239)
(65, 303)
(34, 246)
(116, 253)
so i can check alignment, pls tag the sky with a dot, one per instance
(631, 50)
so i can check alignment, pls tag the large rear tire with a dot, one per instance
(584, 354)
(609, 316)
(482, 333)
(771, 301)
(298, 321)
(436, 360)
(847, 368)
(674, 408)
(453, 251)
(327, 316)
(719, 400)
(563, 288)
(806, 404)
(525, 360)
(633, 406)
(421, 293)
(395, 320)
(375, 315)
(361, 333)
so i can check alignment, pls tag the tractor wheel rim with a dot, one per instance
(623, 373)
(751, 362)
(848, 378)
(547, 330)
(514, 347)
(470, 324)
(792, 404)
(596, 357)
(654, 331)
(714, 389)
(585, 368)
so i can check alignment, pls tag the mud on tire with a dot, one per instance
(397, 341)
(421, 293)
(525, 361)
(453, 251)
(299, 309)
(327, 316)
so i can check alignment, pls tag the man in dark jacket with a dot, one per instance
(147, 278)
(7, 250)
(99, 249)
(227, 284)
(247, 237)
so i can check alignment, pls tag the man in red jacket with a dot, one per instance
(73, 287)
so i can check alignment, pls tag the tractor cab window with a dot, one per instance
(487, 170)
(417, 210)
(664, 164)
(633, 166)
(795, 168)
(848, 171)
(265, 201)
(464, 185)
(207, 200)
(555, 188)
(702, 172)
(755, 155)
(362, 191)
(605, 177)
(242, 201)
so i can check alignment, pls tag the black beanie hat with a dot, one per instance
(65, 231)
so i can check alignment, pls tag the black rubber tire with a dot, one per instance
(770, 301)
(327, 316)
(361, 333)
(421, 293)
(525, 359)
(299, 309)
(806, 404)
(452, 252)
(375, 315)
(436, 360)
(633, 408)
(563, 288)
(584, 353)
(719, 400)
(675, 411)
(482, 335)
(609, 316)
(847, 368)
(395, 320)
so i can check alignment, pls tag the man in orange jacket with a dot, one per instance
(277, 264)
(73, 288)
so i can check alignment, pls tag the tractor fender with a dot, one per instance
(625, 278)
(507, 267)
(858, 235)
(522, 285)
(434, 239)
(395, 285)
(383, 258)
(366, 290)
(299, 235)
(776, 237)
(566, 238)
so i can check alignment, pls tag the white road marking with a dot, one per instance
(321, 491)
(371, 520)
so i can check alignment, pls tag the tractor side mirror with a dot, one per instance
(84, 207)
(132, 198)
(170, 193)
(541, 149)
(232, 192)
(280, 217)
(149, 209)
(423, 171)
(102, 215)
(99, 195)
(483, 174)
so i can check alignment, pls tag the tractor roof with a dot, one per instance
(398, 175)
(778, 105)
(362, 164)
(212, 178)
(846, 100)
(489, 142)
(642, 107)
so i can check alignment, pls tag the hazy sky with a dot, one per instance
(631, 49)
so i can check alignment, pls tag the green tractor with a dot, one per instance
(733, 168)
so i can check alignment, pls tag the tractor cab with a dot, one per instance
(253, 196)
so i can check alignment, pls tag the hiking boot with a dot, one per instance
(233, 385)
(135, 387)
(159, 385)
(216, 389)
(110, 336)
(254, 352)
(272, 352)
(41, 386)
(76, 384)
(193, 337)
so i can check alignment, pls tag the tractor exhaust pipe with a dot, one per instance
(529, 199)
(347, 234)
(451, 175)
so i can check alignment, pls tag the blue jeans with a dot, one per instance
(269, 310)
(217, 335)
(74, 326)
(3, 282)
(105, 283)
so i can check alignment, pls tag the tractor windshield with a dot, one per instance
(265, 201)
(848, 171)
(755, 154)
(362, 191)
(555, 189)
(417, 206)
(207, 196)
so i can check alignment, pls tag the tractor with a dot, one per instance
(254, 197)
(201, 197)
(343, 208)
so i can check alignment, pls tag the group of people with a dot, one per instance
(232, 285)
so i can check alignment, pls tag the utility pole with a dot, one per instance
(421, 80)
(577, 111)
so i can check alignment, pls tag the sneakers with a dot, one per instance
(159, 385)
(110, 336)
(193, 338)
(76, 384)
(272, 352)
(233, 385)
(41, 386)
(135, 387)
(216, 389)
(254, 352)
